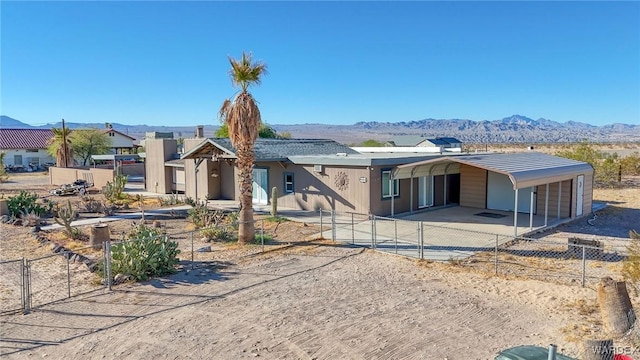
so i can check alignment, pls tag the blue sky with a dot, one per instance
(165, 63)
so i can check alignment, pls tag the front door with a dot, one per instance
(580, 195)
(260, 185)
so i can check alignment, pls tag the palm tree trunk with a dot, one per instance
(246, 228)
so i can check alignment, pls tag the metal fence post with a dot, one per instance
(104, 263)
(353, 235)
(108, 257)
(373, 231)
(584, 252)
(192, 261)
(22, 293)
(68, 279)
(495, 260)
(421, 239)
(333, 225)
(262, 233)
(321, 233)
(395, 226)
(26, 287)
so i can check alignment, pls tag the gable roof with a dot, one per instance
(450, 140)
(25, 138)
(270, 149)
(406, 140)
(524, 169)
(106, 131)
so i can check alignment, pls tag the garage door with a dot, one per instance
(500, 194)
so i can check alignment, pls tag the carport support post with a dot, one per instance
(515, 216)
(546, 206)
(533, 194)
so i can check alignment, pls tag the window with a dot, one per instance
(288, 182)
(386, 176)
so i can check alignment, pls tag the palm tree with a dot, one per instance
(242, 117)
(57, 147)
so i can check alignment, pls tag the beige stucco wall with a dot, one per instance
(318, 190)
(158, 177)
(61, 176)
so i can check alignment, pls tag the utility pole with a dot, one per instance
(64, 145)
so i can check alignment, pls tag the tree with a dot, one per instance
(87, 142)
(57, 147)
(371, 143)
(243, 119)
(265, 132)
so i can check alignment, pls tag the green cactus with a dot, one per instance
(274, 202)
(65, 216)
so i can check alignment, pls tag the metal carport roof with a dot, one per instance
(524, 169)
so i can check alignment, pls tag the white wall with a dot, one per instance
(119, 141)
(41, 155)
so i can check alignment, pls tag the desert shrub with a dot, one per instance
(606, 167)
(27, 203)
(189, 201)
(30, 219)
(172, 199)
(217, 233)
(202, 217)
(631, 265)
(113, 191)
(147, 253)
(631, 164)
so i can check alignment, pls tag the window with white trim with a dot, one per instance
(387, 185)
(288, 182)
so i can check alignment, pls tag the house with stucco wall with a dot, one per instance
(311, 174)
(23, 147)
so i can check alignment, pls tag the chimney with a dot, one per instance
(200, 131)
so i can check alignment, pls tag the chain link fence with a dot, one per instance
(11, 286)
(66, 273)
(570, 260)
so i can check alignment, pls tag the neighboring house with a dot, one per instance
(121, 143)
(24, 147)
(313, 174)
(421, 141)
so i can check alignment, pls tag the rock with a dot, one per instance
(204, 249)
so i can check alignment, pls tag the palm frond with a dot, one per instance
(245, 73)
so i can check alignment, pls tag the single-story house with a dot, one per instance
(421, 141)
(313, 174)
(24, 147)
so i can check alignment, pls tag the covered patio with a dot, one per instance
(521, 191)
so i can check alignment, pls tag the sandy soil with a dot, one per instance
(309, 300)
